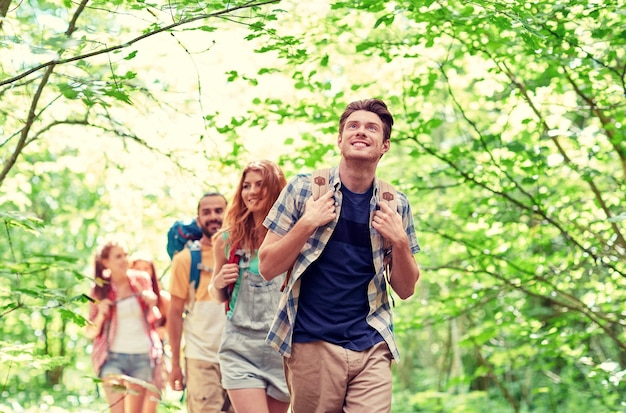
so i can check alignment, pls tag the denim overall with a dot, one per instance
(246, 360)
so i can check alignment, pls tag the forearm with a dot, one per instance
(219, 295)
(277, 255)
(222, 270)
(175, 331)
(405, 271)
(163, 305)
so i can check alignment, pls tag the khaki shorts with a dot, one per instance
(204, 391)
(324, 377)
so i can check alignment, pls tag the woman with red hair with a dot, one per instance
(252, 371)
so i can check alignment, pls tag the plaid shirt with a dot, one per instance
(139, 281)
(286, 211)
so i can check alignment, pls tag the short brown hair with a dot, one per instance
(207, 194)
(376, 106)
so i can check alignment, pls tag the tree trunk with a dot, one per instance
(4, 8)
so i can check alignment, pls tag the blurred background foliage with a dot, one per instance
(509, 141)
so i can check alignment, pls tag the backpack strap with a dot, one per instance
(196, 263)
(233, 258)
(286, 280)
(195, 249)
(320, 182)
(387, 194)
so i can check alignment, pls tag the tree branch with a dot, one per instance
(134, 40)
(29, 123)
(604, 120)
(492, 374)
(592, 185)
(72, 26)
(4, 8)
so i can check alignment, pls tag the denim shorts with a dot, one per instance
(133, 365)
(247, 362)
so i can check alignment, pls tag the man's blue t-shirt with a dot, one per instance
(333, 301)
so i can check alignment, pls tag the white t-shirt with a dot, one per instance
(130, 335)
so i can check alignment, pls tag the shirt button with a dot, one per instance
(328, 229)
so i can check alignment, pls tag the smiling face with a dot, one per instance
(259, 185)
(211, 214)
(362, 137)
(116, 261)
(252, 191)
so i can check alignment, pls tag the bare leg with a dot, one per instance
(150, 402)
(249, 400)
(115, 397)
(134, 398)
(276, 406)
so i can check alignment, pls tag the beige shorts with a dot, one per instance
(324, 377)
(204, 390)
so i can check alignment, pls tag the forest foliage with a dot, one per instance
(508, 140)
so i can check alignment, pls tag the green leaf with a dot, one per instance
(118, 94)
(516, 147)
(232, 76)
(131, 55)
(324, 61)
(387, 20)
(68, 91)
(72, 316)
(208, 29)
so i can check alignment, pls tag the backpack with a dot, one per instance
(320, 179)
(186, 233)
(181, 233)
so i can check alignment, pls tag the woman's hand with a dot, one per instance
(227, 275)
(104, 308)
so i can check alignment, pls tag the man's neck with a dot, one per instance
(206, 241)
(357, 176)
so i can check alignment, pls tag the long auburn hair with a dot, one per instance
(239, 221)
(102, 286)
